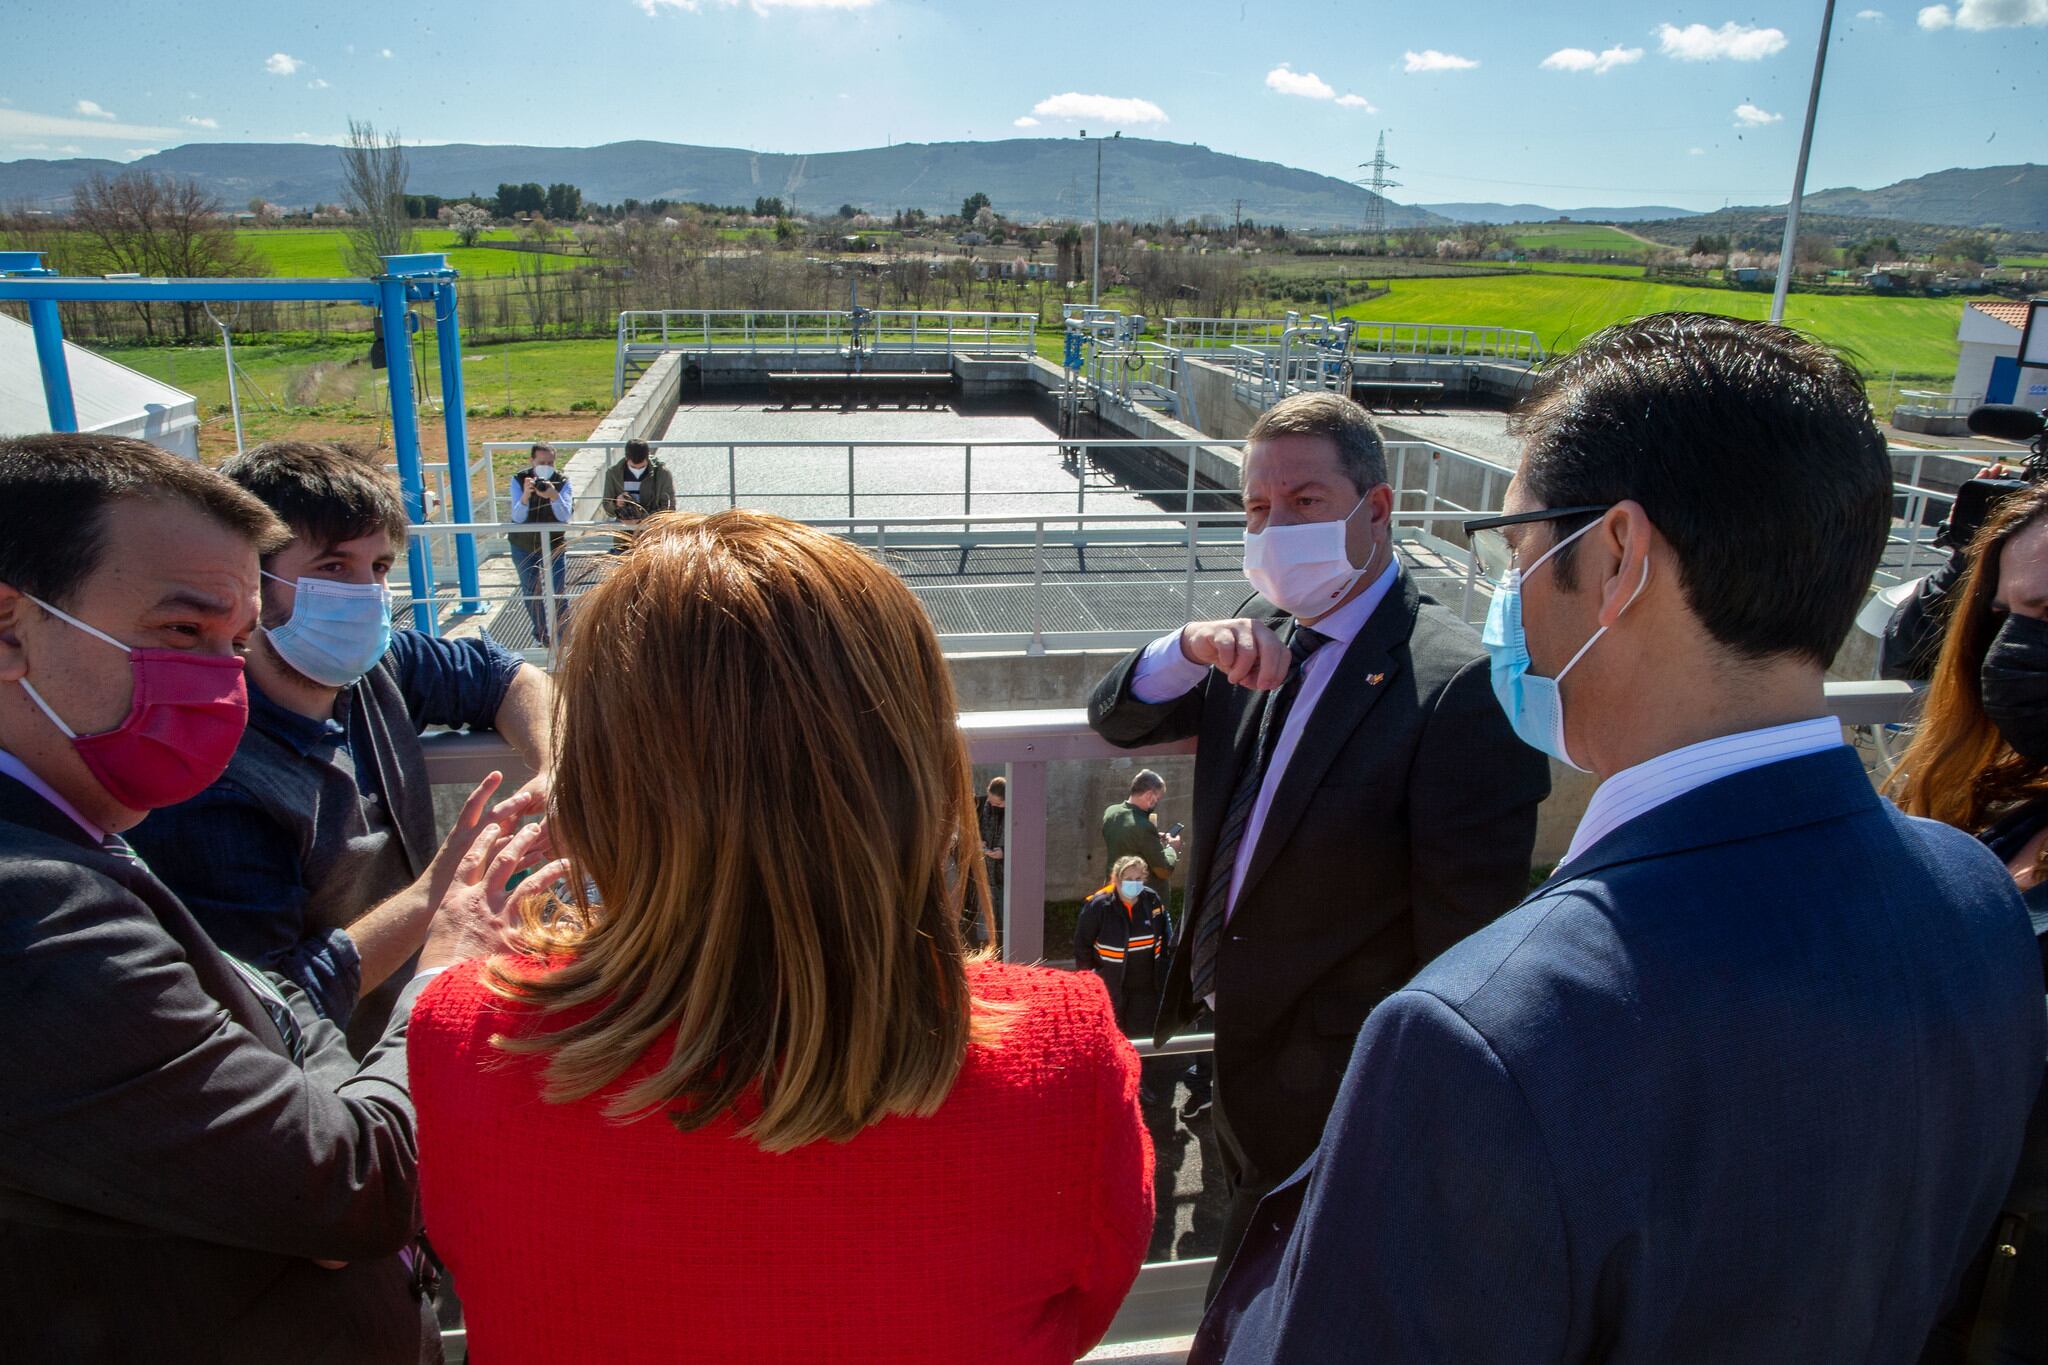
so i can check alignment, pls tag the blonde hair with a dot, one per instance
(758, 766)
(1129, 862)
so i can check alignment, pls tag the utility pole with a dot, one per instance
(1379, 184)
(1237, 222)
(1784, 282)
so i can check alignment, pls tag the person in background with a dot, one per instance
(635, 489)
(1130, 829)
(1745, 1078)
(314, 853)
(993, 823)
(769, 1089)
(1123, 935)
(1979, 761)
(540, 495)
(1361, 803)
(191, 1166)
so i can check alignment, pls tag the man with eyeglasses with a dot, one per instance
(1745, 1079)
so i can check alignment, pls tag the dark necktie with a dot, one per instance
(1210, 915)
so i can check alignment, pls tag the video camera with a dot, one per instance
(1978, 496)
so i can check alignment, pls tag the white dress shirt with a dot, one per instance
(1165, 673)
(1637, 791)
(19, 771)
(562, 504)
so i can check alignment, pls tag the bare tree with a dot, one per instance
(145, 224)
(373, 170)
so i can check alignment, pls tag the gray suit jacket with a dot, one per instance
(168, 1175)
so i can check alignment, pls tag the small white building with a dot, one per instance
(110, 398)
(1990, 331)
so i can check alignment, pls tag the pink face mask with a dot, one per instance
(183, 725)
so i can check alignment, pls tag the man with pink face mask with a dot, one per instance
(191, 1165)
(1361, 802)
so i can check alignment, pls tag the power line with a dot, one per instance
(1379, 184)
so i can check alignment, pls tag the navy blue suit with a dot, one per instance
(1746, 1082)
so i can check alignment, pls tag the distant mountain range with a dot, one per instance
(1025, 178)
(1537, 213)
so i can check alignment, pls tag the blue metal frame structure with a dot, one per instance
(406, 280)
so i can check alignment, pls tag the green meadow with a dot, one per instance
(320, 253)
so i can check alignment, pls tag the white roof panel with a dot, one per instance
(109, 396)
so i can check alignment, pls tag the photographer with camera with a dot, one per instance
(1979, 762)
(540, 493)
(635, 489)
(1912, 638)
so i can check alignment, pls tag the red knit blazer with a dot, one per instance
(1005, 1227)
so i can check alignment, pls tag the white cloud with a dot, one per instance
(1736, 42)
(385, 53)
(1749, 116)
(316, 84)
(1873, 16)
(1583, 59)
(1982, 15)
(136, 153)
(1936, 17)
(1429, 59)
(197, 122)
(1695, 151)
(1306, 84)
(1025, 122)
(16, 124)
(1110, 109)
(91, 110)
(1357, 102)
(282, 64)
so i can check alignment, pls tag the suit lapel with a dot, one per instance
(1342, 708)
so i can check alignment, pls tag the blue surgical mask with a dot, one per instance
(1129, 890)
(1535, 705)
(337, 631)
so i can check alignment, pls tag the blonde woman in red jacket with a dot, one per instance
(756, 1100)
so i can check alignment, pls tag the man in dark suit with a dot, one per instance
(1745, 1080)
(191, 1166)
(1360, 802)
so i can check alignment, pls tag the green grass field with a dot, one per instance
(334, 376)
(321, 252)
(1914, 337)
(2024, 262)
(1577, 237)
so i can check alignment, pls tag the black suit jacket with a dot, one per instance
(168, 1176)
(1404, 821)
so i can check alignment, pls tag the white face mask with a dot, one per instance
(544, 471)
(1303, 569)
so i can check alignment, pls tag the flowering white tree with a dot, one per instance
(468, 220)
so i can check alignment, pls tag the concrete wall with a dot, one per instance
(648, 407)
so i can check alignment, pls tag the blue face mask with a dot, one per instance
(1535, 706)
(337, 631)
(1129, 890)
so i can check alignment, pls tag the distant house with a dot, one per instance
(971, 238)
(1745, 274)
(1988, 366)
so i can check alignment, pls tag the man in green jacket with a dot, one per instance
(635, 489)
(1130, 830)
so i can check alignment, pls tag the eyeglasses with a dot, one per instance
(1494, 552)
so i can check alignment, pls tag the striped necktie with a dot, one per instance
(1215, 906)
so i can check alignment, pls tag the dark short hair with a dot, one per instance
(538, 447)
(55, 490)
(999, 786)
(636, 449)
(1147, 781)
(1752, 449)
(1361, 454)
(326, 493)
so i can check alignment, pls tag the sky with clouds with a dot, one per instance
(1600, 102)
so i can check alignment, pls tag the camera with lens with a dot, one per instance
(1977, 497)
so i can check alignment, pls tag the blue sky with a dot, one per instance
(1597, 102)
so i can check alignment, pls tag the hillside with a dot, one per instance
(1537, 213)
(1026, 178)
(2014, 198)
